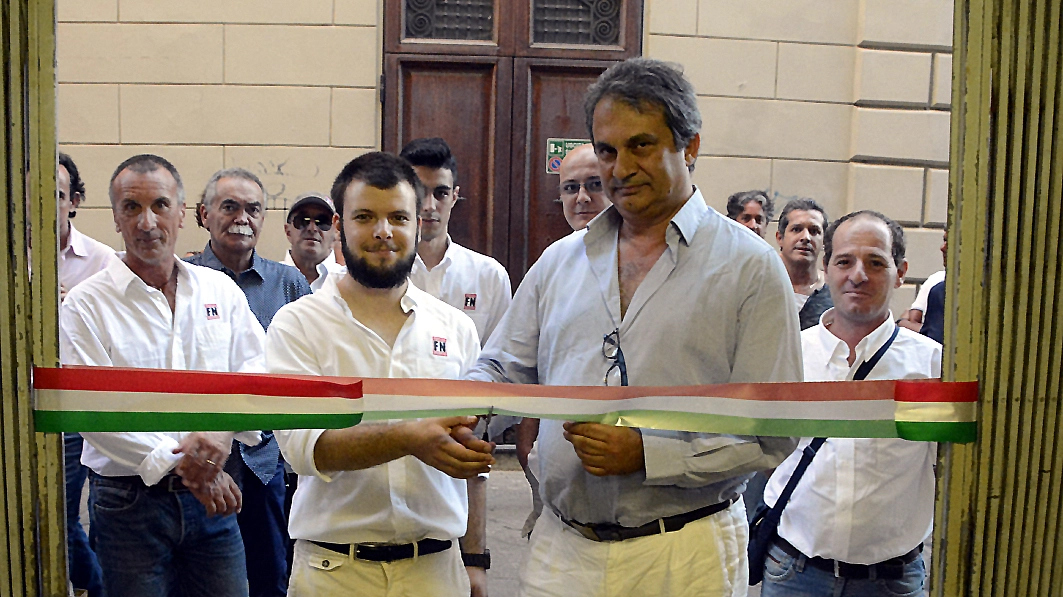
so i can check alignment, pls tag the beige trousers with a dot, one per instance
(706, 558)
(319, 572)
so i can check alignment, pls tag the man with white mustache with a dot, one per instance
(232, 209)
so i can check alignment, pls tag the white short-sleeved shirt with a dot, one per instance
(861, 501)
(924, 290)
(327, 267)
(475, 284)
(82, 257)
(114, 319)
(400, 501)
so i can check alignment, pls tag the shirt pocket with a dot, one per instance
(211, 350)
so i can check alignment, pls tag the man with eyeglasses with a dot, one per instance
(659, 290)
(310, 232)
(474, 283)
(582, 194)
(232, 209)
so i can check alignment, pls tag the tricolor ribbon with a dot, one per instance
(112, 399)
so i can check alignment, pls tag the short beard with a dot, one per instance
(374, 277)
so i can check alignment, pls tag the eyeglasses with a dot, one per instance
(324, 223)
(611, 350)
(570, 188)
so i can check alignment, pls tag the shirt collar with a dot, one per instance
(76, 244)
(211, 260)
(122, 276)
(448, 258)
(410, 301)
(684, 223)
(867, 346)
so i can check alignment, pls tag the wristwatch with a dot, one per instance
(477, 560)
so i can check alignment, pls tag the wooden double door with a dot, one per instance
(496, 79)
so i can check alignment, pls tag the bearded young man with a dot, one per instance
(380, 506)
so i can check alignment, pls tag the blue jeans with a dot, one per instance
(787, 576)
(152, 542)
(264, 526)
(84, 567)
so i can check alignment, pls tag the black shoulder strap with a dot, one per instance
(814, 446)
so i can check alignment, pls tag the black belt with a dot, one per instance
(892, 569)
(169, 484)
(387, 553)
(615, 532)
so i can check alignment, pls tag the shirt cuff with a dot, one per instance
(248, 438)
(159, 462)
(665, 458)
(297, 446)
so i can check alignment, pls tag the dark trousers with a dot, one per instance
(84, 567)
(264, 527)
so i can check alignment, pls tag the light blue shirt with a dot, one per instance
(717, 307)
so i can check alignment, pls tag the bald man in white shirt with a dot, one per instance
(855, 524)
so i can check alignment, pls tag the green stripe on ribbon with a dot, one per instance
(959, 433)
(91, 421)
(48, 421)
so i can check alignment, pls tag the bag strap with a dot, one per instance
(810, 450)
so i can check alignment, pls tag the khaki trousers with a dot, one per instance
(320, 572)
(705, 558)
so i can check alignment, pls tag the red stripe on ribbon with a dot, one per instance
(933, 390)
(819, 391)
(166, 381)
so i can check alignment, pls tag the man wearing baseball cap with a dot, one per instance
(310, 231)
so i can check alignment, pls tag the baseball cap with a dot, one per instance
(311, 198)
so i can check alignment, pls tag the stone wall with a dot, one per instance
(285, 88)
(844, 101)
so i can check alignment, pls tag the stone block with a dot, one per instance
(923, 252)
(734, 68)
(139, 53)
(357, 12)
(294, 12)
(87, 113)
(79, 11)
(923, 24)
(718, 178)
(919, 136)
(355, 118)
(177, 114)
(775, 129)
(677, 17)
(941, 93)
(283, 54)
(902, 299)
(813, 21)
(826, 182)
(96, 163)
(892, 190)
(890, 77)
(288, 172)
(816, 72)
(937, 197)
(97, 221)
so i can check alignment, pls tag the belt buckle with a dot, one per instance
(837, 569)
(587, 532)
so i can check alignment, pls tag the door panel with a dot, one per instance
(496, 78)
(458, 101)
(548, 101)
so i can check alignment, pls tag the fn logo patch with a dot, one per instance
(470, 302)
(439, 346)
(212, 311)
